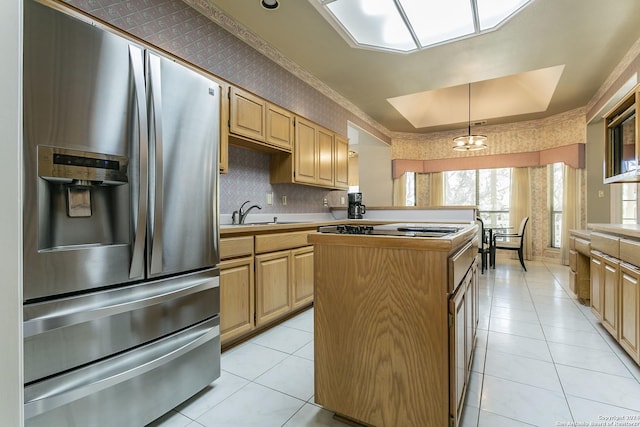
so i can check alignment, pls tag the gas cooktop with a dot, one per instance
(400, 229)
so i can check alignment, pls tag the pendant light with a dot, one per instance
(469, 142)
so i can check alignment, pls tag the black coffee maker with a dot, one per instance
(356, 208)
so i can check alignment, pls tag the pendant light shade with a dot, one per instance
(469, 142)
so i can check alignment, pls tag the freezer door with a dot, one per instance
(64, 333)
(83, 116)
(183, 150)
(132, 388)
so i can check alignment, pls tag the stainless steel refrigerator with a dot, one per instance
(121, 289)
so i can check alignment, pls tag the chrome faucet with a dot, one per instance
(242, 214)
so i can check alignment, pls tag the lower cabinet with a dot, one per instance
(615, 289)
(236, 297)
(302, 276)
(273, 286)
(463, 321)
(256, 290)
(610, 296)
(630, 309)
(597, 283)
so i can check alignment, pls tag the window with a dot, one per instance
(410, 188)
(629, 203)
(556, 185)
(489, 189)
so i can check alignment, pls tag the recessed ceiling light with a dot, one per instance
(269, 4)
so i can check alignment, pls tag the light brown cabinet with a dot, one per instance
(610, 295)
(615, 293)
(579, 266)
(304, 155)
(302, 276)
(597, 284)
(630, 309)
(280, 130)
(341, 157)
(320, 158)
(325, 157)
(247, 114)
(421, 315)
(463, 315)
(236, 298)
(263, 278)
(273, 286)
(284, 274)
(236, 288)
(257, 123)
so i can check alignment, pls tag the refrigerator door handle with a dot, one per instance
(58, 391)
(156, 154)
(140, 225)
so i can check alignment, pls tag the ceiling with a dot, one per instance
(549, 58)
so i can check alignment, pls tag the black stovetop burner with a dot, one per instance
(402, 230)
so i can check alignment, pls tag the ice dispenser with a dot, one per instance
(82, 198)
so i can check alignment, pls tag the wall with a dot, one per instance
(248, 179)
(374, 167)
(11, 215)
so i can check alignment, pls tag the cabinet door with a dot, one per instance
(341, 156)
(305, 152)
(273, 286)
(247, 113)
(302, 276)
(457, 351)
(597, 283)
(279, 130)
(325, 157)
(630, 310)
(610, 296)
(236, 298)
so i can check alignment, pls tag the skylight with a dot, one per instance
(409, 25)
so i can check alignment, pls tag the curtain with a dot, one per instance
(436, 193)
(521, 206)
(400, 190)
(571, 208)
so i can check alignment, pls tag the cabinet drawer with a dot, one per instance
(232, 247)
(610, 245)
(572, 242)
(583, 246)
(630, 251)
(281, 241)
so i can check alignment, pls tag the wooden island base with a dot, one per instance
(393, 335)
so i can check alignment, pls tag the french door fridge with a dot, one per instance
(121, 288)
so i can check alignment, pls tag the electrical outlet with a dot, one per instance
(601, 194)
(342, 200)
(325, 202)
(284, 200)
(270, 198)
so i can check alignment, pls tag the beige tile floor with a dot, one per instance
(541, 359)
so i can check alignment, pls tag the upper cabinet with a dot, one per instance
(319, 158)
(303, 152)
(622, 149)
(341, 157)
(259, 123)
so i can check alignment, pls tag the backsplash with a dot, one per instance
(248, 179)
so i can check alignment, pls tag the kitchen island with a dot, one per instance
(395, 321)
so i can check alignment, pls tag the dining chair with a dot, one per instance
(483, 245)
(512, 241)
